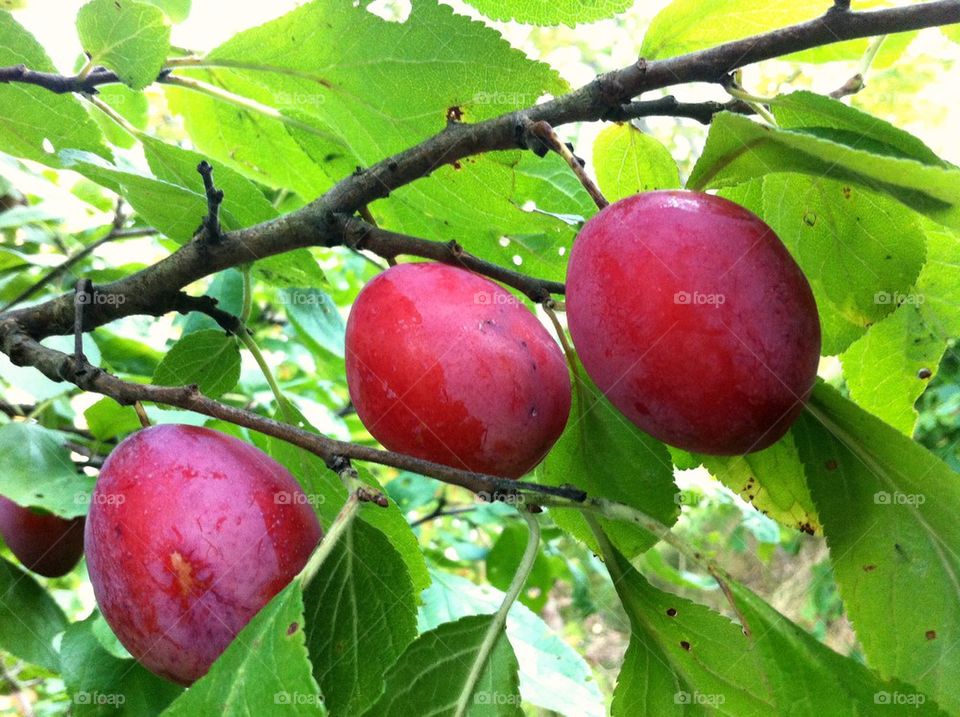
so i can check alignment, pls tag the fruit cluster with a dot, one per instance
(685, 309)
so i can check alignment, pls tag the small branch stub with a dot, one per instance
(211, 223)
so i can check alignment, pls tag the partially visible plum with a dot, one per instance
(45, 543)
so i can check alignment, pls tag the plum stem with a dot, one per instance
(142, 414)
(495, 630)
(339, 526)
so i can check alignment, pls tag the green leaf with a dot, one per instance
(739, 149)
(208, 358)
(107, 419)
(799, 110)
(176, 10)
(682, 657)
(808, 678)
(316, 319)
(550, 12)
(257, 146)
(859, 250)
(29, 618)
(125, 355)
(689, 25)
(431, 675)
(131, 38)
(265, 670)
(884, 369)
(31, 115)
(552, 674)
(173, 210)
(362, 118)
(290, 269)
(36, 471)
(686, 659)
(773, 480)
(629, 162)
(361, 614)
(888, 512)
(100, 683)
(603, 453)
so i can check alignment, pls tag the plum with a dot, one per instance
(693, 319)
(190, 533)
(446, 365)
(45, 543)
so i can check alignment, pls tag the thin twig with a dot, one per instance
(545, 133)
(360, 235)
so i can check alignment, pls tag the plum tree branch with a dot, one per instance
(361, 235)
(24, 350)
(328, 221)
(152, 290)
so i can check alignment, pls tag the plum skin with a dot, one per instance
(447, 366)
(46, 544)
(190, 533)
(691, 316)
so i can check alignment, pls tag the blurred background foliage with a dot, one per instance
(47, 215)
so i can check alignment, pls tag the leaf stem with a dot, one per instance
(247, 305)
(755, 103)
(500, 618)
(115, 116)
(86, 69)
(336, 531)
(871, 53)
(247, 340)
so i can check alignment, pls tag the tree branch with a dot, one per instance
(157, 289)
(57, 366)
(361, 235)
(669, 106)
(153, 290)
